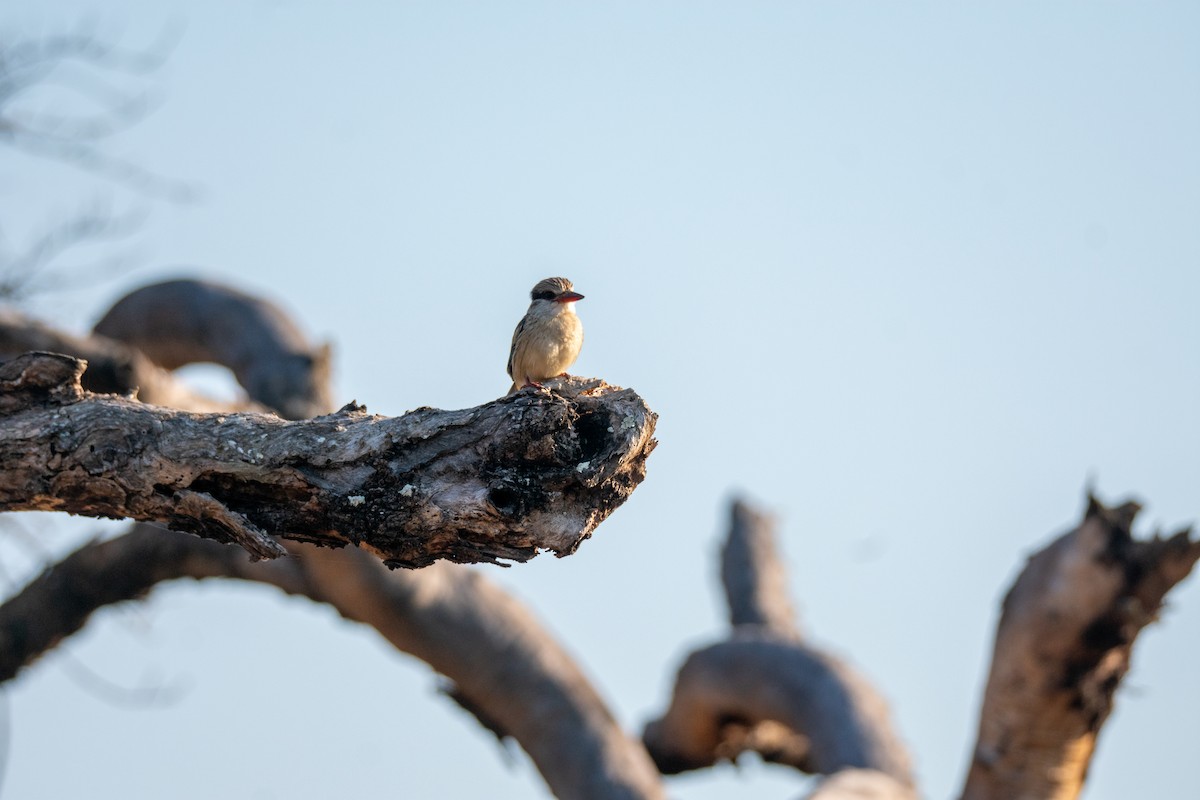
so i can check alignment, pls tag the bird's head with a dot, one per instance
(555, 290)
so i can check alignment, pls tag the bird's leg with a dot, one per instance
(534, 384)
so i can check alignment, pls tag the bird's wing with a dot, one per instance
(512, 351)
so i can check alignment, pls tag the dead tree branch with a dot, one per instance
(188, 321)
(1062, 647)
(753, 575)
(504, 665)
(112, 367)
(500, 481)
(505, 668)
(1063, 644)
(765, 690)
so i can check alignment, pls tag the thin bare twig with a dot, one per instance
(31, 66)
(37, 267)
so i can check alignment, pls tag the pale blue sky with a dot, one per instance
(910, 275)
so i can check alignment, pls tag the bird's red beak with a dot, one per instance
(568, 297)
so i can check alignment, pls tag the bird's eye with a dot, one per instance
(543, 295)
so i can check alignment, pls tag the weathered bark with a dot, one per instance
(505, 667)
(1062, 647)
(500, 481)
(765, 690)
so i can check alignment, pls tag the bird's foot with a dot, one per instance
(534, 384)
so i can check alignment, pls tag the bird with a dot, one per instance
(548, 338)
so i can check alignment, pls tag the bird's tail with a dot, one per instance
(513, 390)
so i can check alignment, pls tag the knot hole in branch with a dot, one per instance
(506, 499)
(595, 432)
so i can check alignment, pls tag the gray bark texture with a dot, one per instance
(538, 470)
